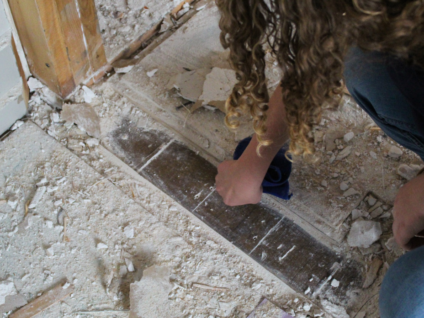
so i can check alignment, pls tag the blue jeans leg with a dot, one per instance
(375, 82)
(402, 291)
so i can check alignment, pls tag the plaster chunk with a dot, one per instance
(84, 116)
(364, 233)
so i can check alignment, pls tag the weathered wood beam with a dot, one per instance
(61, 40)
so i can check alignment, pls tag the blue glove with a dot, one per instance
(276, 179)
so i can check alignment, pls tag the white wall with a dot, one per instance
(4, 25)
(12, 105)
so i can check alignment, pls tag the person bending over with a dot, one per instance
(376, 47)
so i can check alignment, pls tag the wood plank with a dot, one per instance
(43, 302)
(74, 39)
(62, 42)
(31, 34)
(93, 39)
(53, 28)
(182, 174)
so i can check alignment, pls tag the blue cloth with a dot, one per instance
(391, 92)
(402, 291)
(276, 180)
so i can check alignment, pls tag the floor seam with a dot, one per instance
(207, 197)
(267, 234)
(156, 155)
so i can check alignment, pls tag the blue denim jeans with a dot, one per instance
(392, 93)
(402, 291)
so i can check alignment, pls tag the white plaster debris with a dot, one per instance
(17, 124)
(51, 98)
(123, 70)
(34, 84)
(373, 155)
(88, 94)
(152, 73)
(7, 288)
(101, 246)
(84, 116)
(217, 87)
(335, 283)
(92, 142)
(364, 233)
(129, 231)
(184, 10)
(189, 85)
(66, 286)
(13, 204)
(307, 307)
(37, 197)
(395, 152)
(349, 136)
(130, 265)
(55, 117)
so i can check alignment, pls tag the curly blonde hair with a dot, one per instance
(309, 39)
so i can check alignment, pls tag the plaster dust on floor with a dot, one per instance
(87, 219)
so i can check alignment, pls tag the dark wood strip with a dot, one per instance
(182, 174)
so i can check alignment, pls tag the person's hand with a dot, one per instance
(237, 185)
(408, 213)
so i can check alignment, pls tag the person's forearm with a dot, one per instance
(277, 132)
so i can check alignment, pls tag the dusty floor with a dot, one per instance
(100, 225)
(110, 238)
